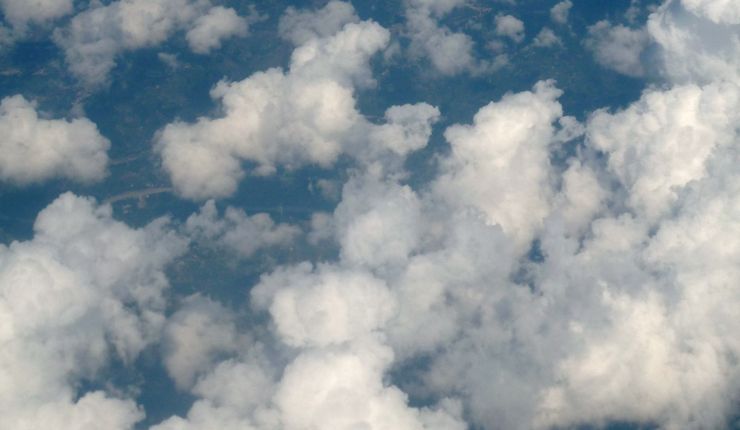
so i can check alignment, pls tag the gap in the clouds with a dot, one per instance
(19, 206)
(146, 381)
(35, 69)
(408, 375)
(18, 210)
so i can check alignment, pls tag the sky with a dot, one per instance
(407, 215)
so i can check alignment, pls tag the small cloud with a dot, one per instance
(618, 47)
(546, 38)
(34, 149)
(511, 27)
(560, 12)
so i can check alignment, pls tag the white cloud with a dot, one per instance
(301, 26)
(316, 114)
(500, 164)
(662, 142)
(209, 30)
(34, 149)
(510, 26)
(19, 13)
(511, 290)
(560, 12)
(618, 47)
(305, 115)
(697, 43)
(325, 307)
(718, 11)
(450, 53)
(546, 38)
(85, 288)
(196, 337)
(237, 231)
(95, 37)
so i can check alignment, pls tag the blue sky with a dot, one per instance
(412, 215)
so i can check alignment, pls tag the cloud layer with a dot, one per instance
(544, 271)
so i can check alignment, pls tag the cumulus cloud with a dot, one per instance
(546, 38)
(21, 13)
(578, 290)
(35, 149)
(237, 231)
(196, 337)
(85, 289)
(95, 37)
(697, 43)
(218, 24)
(618, 47)
(305, 115)
(503, 157)
(661, 143)
(511, 27)
(300, 26)
(450, 53)
(560, 12)
(548, 274)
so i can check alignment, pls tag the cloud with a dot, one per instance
(662, 142)
(243, 234)
(697, 43)
(301, 26)
(618, 47)
(196, 337)
(500, 164)
(693, 41)
(305, 115)
(450, 53)
(21, 13)
(560, 12)
(34, 149)
(208, 30)
(718, 11)
(546, 38)
(511, 27)
(95, 37)
(85, 289)
(545, 274)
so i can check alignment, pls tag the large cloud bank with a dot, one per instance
(549, 274)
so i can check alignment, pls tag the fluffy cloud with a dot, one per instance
(95, 37)
(196, 336)
(218, 24)
(305, 115)
(547, 274)
(34, 149)
(699, 41)
(511, 27)
(560, 12)
(661, 143)
(84, 289)
(618, 47)
(718, 11)
(449, 52)
(243, 234)
(300, 26)
(19, 13)
(546, 38)
(500, 164)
